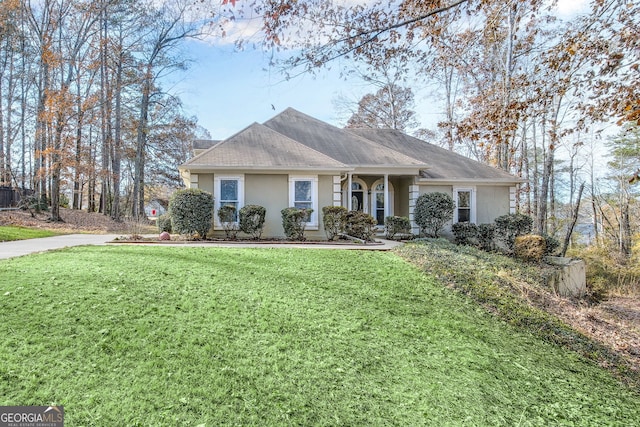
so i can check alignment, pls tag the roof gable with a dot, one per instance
(337, 143)
(258, 146)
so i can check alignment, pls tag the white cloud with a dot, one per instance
(571, 7)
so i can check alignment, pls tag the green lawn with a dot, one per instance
(10, 233)
(202, 336)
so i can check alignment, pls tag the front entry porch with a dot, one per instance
(378, 195)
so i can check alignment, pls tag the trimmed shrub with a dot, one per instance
(227, 216)
(465, 233)
(432, 212)
(508, 227)
(552, 245)
(294, 222)
(164, 236)
(486, 233)
(191, 212)
(530, 247)
(360, 225)
(252, 220)
(164, 223)
(333, 218)
(396, 224)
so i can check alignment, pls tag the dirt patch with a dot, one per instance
(73, 221)
(615, 322)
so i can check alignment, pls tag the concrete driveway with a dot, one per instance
(30, 246)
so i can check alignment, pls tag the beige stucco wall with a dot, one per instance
(272, 192)
(205, 182)
(401, 196)
(491, 202)
(424, 189)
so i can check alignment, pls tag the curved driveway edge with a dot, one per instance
(24, 247)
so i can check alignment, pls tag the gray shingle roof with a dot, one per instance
(256, 147)
(349, 148)
(442, 164)
(293, 140)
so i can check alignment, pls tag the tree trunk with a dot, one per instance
(141, 141)
(574, 219)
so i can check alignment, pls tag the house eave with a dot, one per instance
(386, 169)
(263, 169)
(496, 181)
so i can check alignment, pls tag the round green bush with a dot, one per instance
(396, 224)
(508, 227)
(294, 221)
(191, 212)
(228, 217)
(252, 220)
(360, 225)
(333, 220)
(432, 212)
(164, 223)
(465, 233)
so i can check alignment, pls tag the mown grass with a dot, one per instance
(513, 290)
(204, 336)
(9, 233)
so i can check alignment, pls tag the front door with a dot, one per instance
(357, 197)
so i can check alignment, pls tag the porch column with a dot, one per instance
(337, 193)
(386, 196)
(349, 194)
(414, 192)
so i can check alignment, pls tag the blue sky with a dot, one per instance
(228, 90)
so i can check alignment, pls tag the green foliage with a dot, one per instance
(510, 226)
(333, 219)
(191, 212)
(396, 224)
(486, 233)
(252, 220)
(551, 244)
(63, 201)
(164, 223)
(227, 216)
(33, 202)
(608, 272)
(465, 233)
(432, 212)
(294, 222)
(504, 286)
(360, 225)
(280, 337)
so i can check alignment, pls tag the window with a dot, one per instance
(377, 201)
(303, 194)
(465, 205)
(228, 190)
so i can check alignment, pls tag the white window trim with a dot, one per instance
(313, 221)
(216, 195)
(389, 210)
(472, 202)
